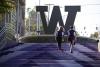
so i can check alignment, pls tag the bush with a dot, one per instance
(51, 39)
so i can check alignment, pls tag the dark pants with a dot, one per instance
(59, 41)
(71, 38)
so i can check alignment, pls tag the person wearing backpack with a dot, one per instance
(71, 38)
(59, 37)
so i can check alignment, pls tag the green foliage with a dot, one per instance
(95, 35)
(6, 5)
(10, 36)
(51, 39)
(10, 31)
(32, 19)
(92, 36)
(33, 27)
(40, 39)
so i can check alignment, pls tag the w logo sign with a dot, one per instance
(56, 17)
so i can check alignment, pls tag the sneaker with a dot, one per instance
(74, 43)
(71, 51)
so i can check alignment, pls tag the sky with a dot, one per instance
(88, 16)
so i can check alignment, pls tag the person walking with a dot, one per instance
(71, 38)
(59, 37)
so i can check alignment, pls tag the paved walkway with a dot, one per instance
(47, 55)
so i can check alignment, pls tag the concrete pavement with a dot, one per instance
(47, 55)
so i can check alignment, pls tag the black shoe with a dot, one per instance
(74, 43)
(71, 51)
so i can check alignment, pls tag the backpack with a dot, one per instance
(59, 33)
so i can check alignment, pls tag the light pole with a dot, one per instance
(97, 29)
(28, 10)
(84, 30)
(38, 22)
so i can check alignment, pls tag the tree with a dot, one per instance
(95, 35)
(6, 6)
(33, 27)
